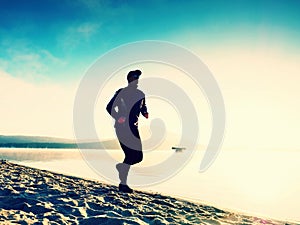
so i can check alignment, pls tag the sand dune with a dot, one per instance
(32, 196)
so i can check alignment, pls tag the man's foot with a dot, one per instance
(125, 188)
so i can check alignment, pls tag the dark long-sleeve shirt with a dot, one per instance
(127, 102)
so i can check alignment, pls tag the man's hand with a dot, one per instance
(146, 115)
(121, 120)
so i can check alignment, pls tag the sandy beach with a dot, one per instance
(32, 196)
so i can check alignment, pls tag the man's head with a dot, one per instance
(133, 76)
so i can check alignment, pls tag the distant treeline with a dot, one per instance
(36, 145)
(50, 142)
(52, 145)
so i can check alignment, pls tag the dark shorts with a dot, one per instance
(131, 144)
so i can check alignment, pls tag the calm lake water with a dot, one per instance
(262, 183)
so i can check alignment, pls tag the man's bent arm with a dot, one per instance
(109, 107)
(144, 110)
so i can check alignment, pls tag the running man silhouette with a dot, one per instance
(125, 107)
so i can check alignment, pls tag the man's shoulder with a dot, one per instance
(118, 91)
(130, 92)
(140, 92)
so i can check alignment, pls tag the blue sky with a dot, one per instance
(58, 40)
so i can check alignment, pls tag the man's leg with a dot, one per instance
(123, 169)
(133, 154)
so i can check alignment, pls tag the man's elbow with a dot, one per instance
(108, 109)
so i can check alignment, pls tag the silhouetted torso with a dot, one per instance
(127, 102)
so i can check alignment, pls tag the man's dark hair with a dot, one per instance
(133, 75)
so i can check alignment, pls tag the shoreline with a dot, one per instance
(31, 195)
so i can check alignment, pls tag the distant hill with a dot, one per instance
(38, 139)
(50, 142)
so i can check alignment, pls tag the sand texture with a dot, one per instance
(32, 196)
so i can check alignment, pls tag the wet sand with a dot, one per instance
(32, 196)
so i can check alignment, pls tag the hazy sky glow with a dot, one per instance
(252, 48)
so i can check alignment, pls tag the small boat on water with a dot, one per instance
(178, 149)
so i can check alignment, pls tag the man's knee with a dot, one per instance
(137, 158)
